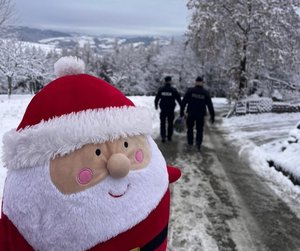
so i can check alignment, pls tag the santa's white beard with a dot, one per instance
(50, 220)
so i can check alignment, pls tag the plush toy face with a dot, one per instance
(92, 163)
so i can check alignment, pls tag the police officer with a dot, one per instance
(165, 98)
(197, 99)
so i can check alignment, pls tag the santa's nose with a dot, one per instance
(118, 165)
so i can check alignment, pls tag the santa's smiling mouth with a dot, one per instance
(118, 195)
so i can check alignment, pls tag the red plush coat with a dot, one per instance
(150, 234)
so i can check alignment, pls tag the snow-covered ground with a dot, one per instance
(268, 136)
(261, 137)
(265, 137)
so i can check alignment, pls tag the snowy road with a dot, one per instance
(222, 204)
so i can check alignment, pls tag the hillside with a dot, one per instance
(65, 40)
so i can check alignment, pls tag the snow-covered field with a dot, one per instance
(260, 137)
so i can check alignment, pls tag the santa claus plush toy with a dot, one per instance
(83, 171)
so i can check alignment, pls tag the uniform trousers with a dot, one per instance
(166, 116)
(190, 123)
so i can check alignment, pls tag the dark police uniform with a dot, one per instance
(197, 99)
(166, 97)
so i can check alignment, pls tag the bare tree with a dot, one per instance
(7, 11)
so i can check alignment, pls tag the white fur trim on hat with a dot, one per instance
(38, 144)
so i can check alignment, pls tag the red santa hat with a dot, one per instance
(71, 111)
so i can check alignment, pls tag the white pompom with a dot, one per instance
(68, 66)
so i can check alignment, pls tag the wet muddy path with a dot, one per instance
(221, 204)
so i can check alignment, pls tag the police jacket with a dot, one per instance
(197, 99)
(166, 97)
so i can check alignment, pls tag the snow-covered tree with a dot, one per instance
(127, 73)
(102, 67)
(247, 40)
(131, 69)
(88, 54)
(24, 64)
(10, 60)
(7, 11)
(36, 69)
(180, 61)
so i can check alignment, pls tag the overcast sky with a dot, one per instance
(117, 17)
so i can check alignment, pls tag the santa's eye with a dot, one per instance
(98, 152)
(125, 144)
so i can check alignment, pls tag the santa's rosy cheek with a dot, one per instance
(84, 176)
(139, 156)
